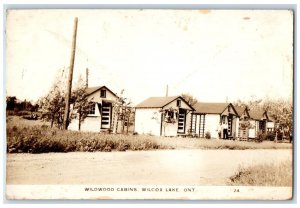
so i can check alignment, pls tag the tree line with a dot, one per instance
(15, 105)
(52, 106)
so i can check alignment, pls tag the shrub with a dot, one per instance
(207, 135)
(270, 136)
(260, 137)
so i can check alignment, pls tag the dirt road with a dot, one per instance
(163, 167)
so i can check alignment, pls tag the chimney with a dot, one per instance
(87, 78)
(167, 91)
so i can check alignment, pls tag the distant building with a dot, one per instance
(163, 116)
(262, 121)
(259, 121)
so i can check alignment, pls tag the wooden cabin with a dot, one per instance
(261, 121)
(100, 115)
(208, 116)
(163, 116)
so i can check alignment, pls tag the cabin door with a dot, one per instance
(262, 126)
(181, 120)
(106, 115)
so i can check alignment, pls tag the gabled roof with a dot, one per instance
(240, 110)
(210, 108)
(257, 114)
(91, 90)
(159, 102)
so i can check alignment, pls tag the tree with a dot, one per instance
(122, 111)
(280, 110)
(53, 103)
(126, 115)
(11, 102)
(189, 99)
(80, 102)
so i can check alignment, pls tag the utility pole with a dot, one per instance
(69, 84)
(87, 78)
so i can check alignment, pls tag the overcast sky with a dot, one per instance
(211, 54)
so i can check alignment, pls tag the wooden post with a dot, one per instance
(69, 84)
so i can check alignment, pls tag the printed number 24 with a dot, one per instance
(236, 190)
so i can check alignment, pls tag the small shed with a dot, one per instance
(163, 116)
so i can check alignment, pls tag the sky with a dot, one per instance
(214, 55)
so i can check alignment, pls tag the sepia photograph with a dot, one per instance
(163, 104)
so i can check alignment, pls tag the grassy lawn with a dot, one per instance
(264, 175)
(36, 137)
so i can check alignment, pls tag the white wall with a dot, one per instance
(252, 131)
(211, 124)
(144, 124)
(188, 122)
(237, 124)
(92, 124)
(170, 129)
(73, 125)
(270, 124)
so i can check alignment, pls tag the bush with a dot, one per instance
(207, 135)
(270, 136)
(260, 137)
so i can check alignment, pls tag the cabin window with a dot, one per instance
(170, 116)
(92, 109)
(223, 119)
(178, 103)
(103, 93)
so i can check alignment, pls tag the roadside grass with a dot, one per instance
(264, 175)
(37, 137)
(202, 143)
